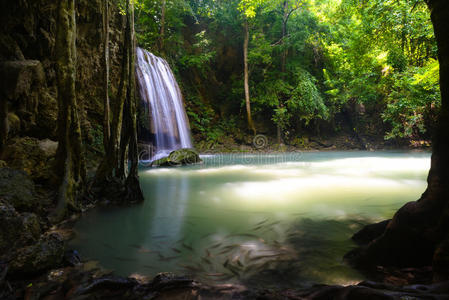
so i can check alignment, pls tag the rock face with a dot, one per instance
(28, 104)
(18, 189)
(31, 155)
(179, 157)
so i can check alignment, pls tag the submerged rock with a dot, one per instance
(17, 188)
(185, 156)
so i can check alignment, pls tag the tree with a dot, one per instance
(248, 7)
(69, 166)
(106, 117)
(112, 178)
(418, 234)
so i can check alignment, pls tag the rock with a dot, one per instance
(47, 116)
(370, 232)
(72, 258)
(3, 164)
(185, 156)
(10, 224)
(31, 155)
(16, 230)
(18, 189)
(19, 76)
(109, 282)
(47, 253)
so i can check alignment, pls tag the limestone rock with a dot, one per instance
(185, 156)
(17, 188)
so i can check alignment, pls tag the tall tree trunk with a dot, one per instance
(106, 117)
(113, 177)
(69, 166)
(246, 78)
(133, 191)
(162, 30)
(418, 234)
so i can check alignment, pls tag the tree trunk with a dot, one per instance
(113, 179)
(246, 78)
(418, 234)
(69, 165)
(162, 30)
(106, 118)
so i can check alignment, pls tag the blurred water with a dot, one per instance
(272, 219)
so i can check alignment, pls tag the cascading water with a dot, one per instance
(168, 127)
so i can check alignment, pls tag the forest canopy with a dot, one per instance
(310, 62)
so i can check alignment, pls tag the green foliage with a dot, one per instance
(379, 53)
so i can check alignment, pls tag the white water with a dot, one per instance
(162, 98)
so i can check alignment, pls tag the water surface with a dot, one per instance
(272, 219)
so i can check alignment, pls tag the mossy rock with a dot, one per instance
(47, 253)
(185, 156)
(18, 189)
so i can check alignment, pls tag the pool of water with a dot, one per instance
(263, 220)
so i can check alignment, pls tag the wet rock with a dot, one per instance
(47, 253)
(370, 232)
(109, 282)
(167, 281)
(18, 189)
(185, 156)
(72, 258)
(31, 155)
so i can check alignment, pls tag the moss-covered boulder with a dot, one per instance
(185, 156)
(18, 189)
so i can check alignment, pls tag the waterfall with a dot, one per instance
(168, 127)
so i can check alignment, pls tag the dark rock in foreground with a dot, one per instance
(47, 253)
(185, 156)
(17, 188)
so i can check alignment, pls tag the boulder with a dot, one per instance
(47, 253)
(31, 155)
(16, 230)
(18, 189)
(19, 77)
(185, 156)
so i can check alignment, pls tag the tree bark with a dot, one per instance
(246, 78)
(69, 166)
(106, 117)
(418, 234)
(162, 30)
(113, 178)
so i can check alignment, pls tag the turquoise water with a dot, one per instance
(262, 220)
